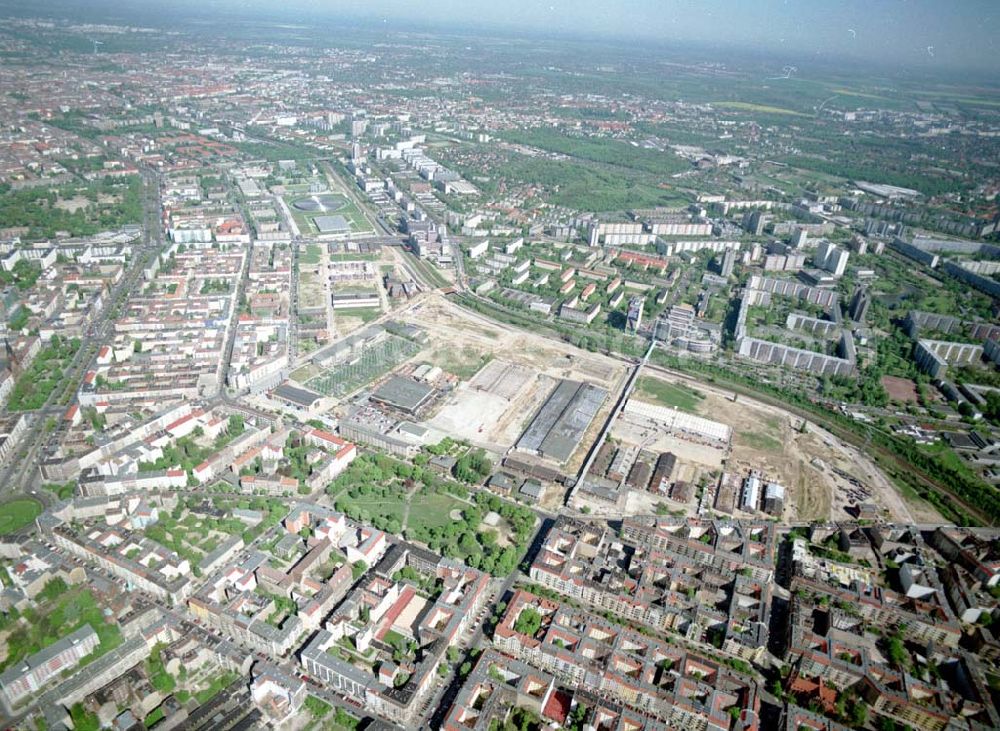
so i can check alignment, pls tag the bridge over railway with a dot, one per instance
(615, 412)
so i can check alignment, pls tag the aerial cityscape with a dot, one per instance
(603, 367)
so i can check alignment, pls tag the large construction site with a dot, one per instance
(532, 398)
(538, 407)
(436, 371)
(729, 455)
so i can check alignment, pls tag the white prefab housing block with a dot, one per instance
(513, 246)
(477, 250)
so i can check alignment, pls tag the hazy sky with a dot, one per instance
(914, 34)
(959, 32)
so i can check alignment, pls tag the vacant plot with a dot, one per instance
(804, 459)
(900, 389)
(669, 394)
(312, 254)
(17, 514)
(365, 314)
(502, 378)
(311, 294)
(760, 441)
(463, 362)
(306, 372)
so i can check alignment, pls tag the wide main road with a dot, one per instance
(21, 471)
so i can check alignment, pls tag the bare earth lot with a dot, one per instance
(494, 419)
(900, 389)
(770, 439)
(506, 374)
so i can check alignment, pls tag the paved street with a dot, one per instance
(21, 474)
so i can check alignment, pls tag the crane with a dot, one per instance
(96, 44)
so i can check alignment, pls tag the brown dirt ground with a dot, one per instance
(900, 389)
(770, 439)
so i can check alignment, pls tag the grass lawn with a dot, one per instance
(359, 224)
(392, 637)
(669, 394)
(433, 511)
(154, 717)
(756, 440)
(389, 508)
(357, 257)
(16, 514)
(357, 288)
(312, 254)
(365, 314)
(64, 491)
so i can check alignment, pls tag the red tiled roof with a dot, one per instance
(396, 609)
(558, 707)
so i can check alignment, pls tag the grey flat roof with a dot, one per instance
(560, 424)
(403, 393)
(332, 224)
(227, 545)
(532, 488)
(300, 396)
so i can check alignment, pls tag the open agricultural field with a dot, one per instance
(765, 108)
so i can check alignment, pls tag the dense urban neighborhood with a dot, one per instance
(390, 380)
